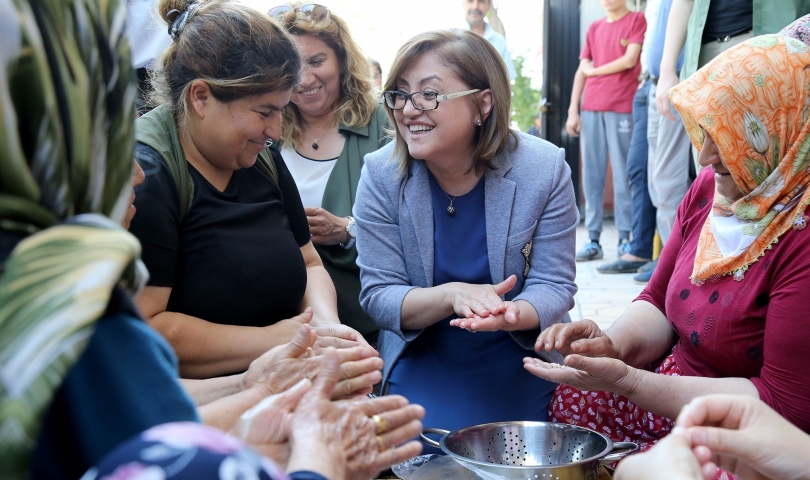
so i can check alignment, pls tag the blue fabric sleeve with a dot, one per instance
(306, 476)
(124, 383)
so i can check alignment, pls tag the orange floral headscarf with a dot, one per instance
(754, 101)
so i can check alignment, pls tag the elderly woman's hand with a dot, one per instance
(587, 373)
(266, 426)
(671, 459)
(325, 228)
(743, 436)
(470, 300)
(284, 366)
(343, 438)
(337, 335)
(583, 337)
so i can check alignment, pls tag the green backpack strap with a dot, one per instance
(157, 130)
(266, 163)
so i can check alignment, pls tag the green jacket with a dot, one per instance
(770, 16)
(338, 199)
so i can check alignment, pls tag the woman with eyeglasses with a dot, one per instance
(466, 234)
(233, 270)
(332, 121)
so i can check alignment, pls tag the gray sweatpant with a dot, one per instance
(604, 132)
(667, 165)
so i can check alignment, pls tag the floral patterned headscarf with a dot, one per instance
(800, 29)
(754, 101)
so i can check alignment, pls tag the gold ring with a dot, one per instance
(382, 425)
(472, 330)
(380, 443)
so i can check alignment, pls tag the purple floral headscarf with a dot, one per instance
(800, 29)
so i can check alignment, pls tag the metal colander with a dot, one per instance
(529, 450)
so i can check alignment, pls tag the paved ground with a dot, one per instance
(601, 297)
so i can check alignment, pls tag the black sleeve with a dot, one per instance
(292, 203)
(157, 219)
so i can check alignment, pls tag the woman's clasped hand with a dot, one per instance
(284, 366)
(592, 361)
(481, 308)
(738, 434)
(304, 429)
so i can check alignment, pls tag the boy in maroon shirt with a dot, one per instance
(608, 73)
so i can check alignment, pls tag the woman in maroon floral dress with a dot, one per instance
(725, 310)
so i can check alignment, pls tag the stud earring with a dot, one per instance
(478, 122)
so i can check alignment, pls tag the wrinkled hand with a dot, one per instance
(671, 459)
(285, 365)
(665, 83)
(586, 373)
(573, 125)
(471, 300)
(501, 321)
(744, 436)
(337, 335)
(326, 229)
(266, 426)
(583, 337)
(343, 433)
(587, 68)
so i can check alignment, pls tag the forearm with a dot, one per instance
(677, 24)
(666, 395)
(619, 65)
(205, 391)
(642, 334)
(320, 296)
(224, 412)
(422, 307)
(576, 90)
(208, 349)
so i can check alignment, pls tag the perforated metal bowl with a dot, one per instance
(529, 450)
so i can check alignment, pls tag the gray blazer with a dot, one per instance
(530, 212)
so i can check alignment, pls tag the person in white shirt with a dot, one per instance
(474, 12)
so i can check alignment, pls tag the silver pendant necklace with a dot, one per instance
(451, 209)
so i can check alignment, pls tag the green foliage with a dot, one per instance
(525, 99)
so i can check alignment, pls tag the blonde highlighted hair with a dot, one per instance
(357, 101)
(476, 63)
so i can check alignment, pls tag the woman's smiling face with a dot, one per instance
(231, 134)
(319, 90)
(444, 133)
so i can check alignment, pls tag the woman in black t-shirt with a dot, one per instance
(233, 272)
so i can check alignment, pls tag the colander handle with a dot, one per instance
(620, 450)
(432, 431)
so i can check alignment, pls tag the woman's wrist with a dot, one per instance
(628, 384)
(314, 455)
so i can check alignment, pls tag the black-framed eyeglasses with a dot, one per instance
(421, 100)
(315, 13)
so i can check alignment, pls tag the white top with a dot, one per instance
(651, 15)
(148, 37)
(310, 175)
(499, 42)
